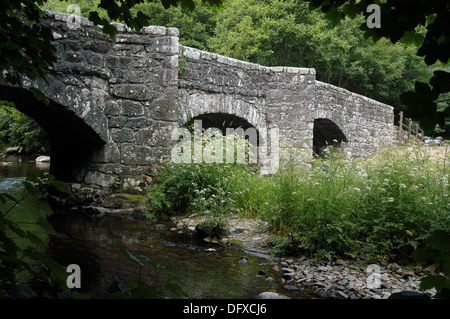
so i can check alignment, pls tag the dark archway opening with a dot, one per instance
(223, 121)
(326, 133)
(72, 141)
(234, 150)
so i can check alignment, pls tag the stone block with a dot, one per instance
(131, 154)
(132, 108)
(125, 135)
(139, 92)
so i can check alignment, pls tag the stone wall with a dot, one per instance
(115, 102)
(284, 97)
(125, 89)
(367, 124)
(266, 97)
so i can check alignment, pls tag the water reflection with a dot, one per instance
(18, 166)
(94, 243)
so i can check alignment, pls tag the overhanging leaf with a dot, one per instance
(425, 255)
(427, 124)
(40, 96)
(110, 30)
(45, 225)
(130, 257)
(31, 189)
(437, 282)
(5, 196)
(412, 37)
(60, 186)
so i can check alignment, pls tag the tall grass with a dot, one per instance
(384, 205)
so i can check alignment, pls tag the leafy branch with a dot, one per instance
(142, 290)
(422, 23)
(18, 258)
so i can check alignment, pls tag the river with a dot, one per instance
(93, 242)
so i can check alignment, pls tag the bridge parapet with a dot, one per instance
(366, 123)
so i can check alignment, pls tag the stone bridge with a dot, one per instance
(114, 103)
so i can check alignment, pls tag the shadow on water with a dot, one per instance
(93, 242)
(18, 166)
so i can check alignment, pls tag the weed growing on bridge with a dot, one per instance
(385, 205)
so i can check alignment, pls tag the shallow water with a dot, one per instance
(93, 242)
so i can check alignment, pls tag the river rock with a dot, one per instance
(342, 294)
(393, 267)
(16, 150)
(344, 279)
(42, 159)
(430, 269)
(343, 282)
(321, 293)
(290, 287)
(270, 280)
(288, 273)
(271, 295)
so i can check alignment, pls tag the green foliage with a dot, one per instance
(436, 251)
(117, 183)
(289, 33)
(207, 188)
(188, 188)
(26, 47)
(196, 25)
(423, 25)
(140, 289)
(383, 205)
(26, 271)
(16, 129)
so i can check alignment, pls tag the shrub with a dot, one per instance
(383, 205)
(16, 129)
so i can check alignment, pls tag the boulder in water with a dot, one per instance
(42, 159)
(16, 150)
(271, 295)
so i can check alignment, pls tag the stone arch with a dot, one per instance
(223, 121)
(230, 124)
(73, 141)
(327, 132)
(195, 103)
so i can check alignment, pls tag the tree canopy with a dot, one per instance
(289, 33)
(422, 23)
(404, 63)
(26, 47)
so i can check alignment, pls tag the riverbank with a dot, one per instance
(337, 279)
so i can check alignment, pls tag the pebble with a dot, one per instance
(271, 295)
(290, 287)
(343, 279)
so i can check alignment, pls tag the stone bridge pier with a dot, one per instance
(114, 103)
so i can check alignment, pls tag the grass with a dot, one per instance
(381, 206)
